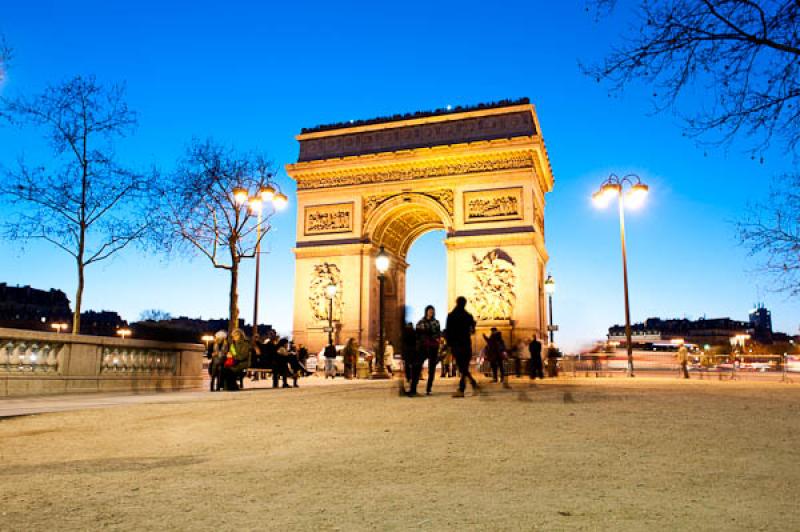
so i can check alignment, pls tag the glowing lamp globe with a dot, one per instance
(550, 285)
(636, 196)
(382, 261)
(330, 291)
(240, 195)
(255, 204)
(280, 201)
(267, 193)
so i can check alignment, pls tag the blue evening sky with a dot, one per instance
(253, 73)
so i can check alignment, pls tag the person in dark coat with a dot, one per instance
(412, 361)
(495, 353)
(302, 358)
(536, 369)
(295, 368)
(459, 330)
(237, 360)
(428, 334)
(280, 363)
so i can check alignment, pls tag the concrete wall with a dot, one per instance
(41, 363)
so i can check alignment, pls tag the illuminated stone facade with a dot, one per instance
(480, 175)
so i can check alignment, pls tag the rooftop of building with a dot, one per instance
(418, 114)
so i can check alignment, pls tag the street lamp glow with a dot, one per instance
(607, 192)
(280, 201)
(207, 338)
(550, 284)
(240, 195)
(267, 193)
(124, 333)
(636, 195)
(382, 261)
(255, 205)
(330, 291)
(59, 327)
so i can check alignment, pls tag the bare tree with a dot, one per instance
(82, 200)
(203, 212)
(743, 55)
(155, 314)
(6, 54)
(771, 230)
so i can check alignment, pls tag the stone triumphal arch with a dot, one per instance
(480, 174)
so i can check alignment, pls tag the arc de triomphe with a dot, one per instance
(480, 173)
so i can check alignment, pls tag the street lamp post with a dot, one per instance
(330, 293)
(266, 194)
(382, 262)
(637, 191)
(550, 288)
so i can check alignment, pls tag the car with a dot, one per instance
(318, 360)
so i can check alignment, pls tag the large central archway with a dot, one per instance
(395, 224)
(480, 175)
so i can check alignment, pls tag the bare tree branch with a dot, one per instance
(199, 212)
(82, 201)
(743, 54)
(6, 54)
(771, 232)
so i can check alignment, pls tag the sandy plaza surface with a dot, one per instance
(567, 454)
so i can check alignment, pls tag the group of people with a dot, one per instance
(232, 357)
(427, 342)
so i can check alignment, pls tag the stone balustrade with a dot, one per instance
(37, 363)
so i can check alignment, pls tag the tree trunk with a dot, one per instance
(233, 314)
(76, 315)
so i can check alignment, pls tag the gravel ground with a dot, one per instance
(563, 455)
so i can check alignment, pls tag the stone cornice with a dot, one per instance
(424, 163)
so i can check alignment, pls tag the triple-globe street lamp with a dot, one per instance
(255, 203)
(382, 263)
(634, 197)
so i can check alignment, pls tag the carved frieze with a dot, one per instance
(494, 293)
(493, 205)
(406, 172)
(325, 219)
(324, 275)
(442, 196)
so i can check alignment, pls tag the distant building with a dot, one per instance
(185, 329)
(761, 323)
(23, 307)
(103, 323)
(715, 331)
